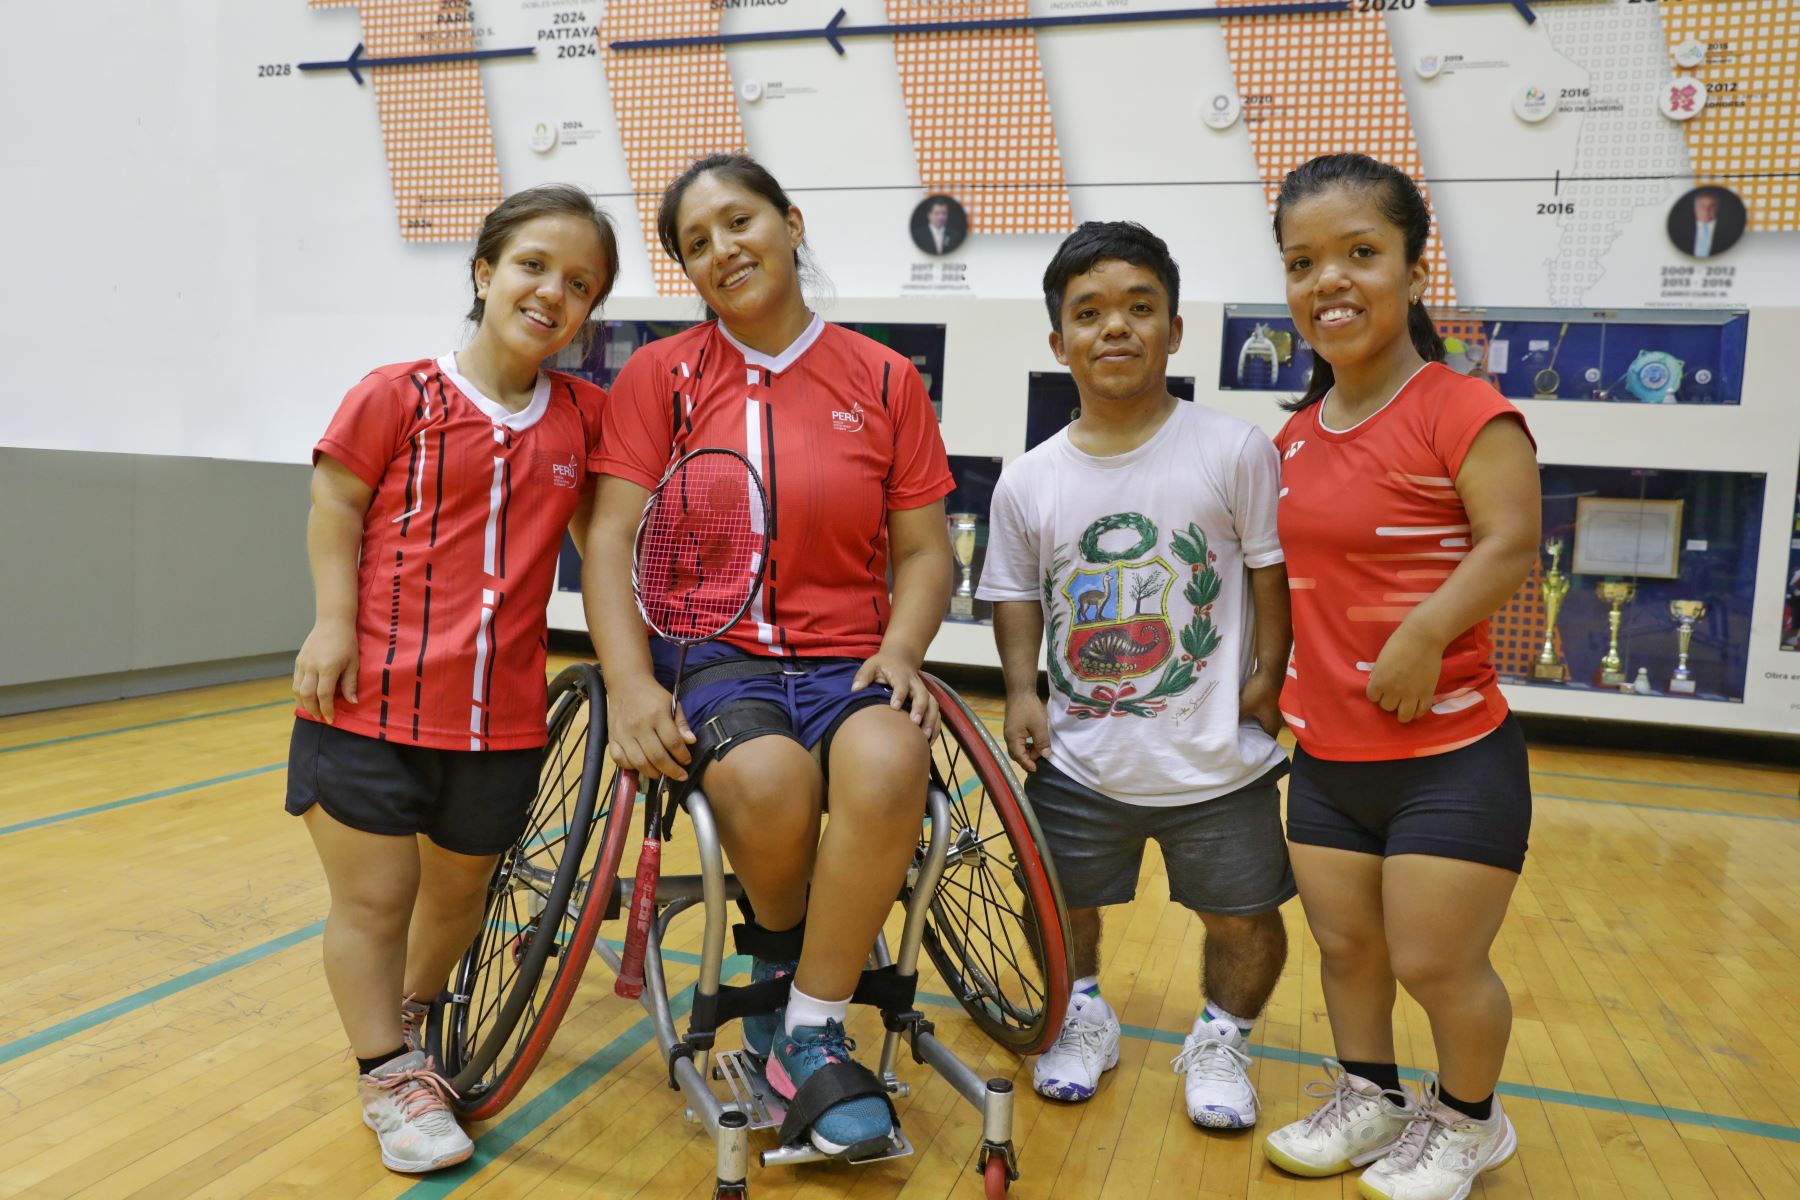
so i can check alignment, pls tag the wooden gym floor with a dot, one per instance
(165, 1029)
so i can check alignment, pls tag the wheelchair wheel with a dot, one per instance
(996, 931)
(549, 893)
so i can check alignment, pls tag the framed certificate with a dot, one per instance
(1637, 538)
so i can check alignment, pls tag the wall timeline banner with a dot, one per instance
(672, 104)
(1745, 138)
(981, 119)
(434, 117)
(1319, 83)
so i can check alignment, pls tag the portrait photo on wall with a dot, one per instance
(1707, 221)
(939, 225)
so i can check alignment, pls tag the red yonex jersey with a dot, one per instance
(459, 549)
(1371, 525)
(841, 431)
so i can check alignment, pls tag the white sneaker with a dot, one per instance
(1086, 1047)
(1219, 1092)
(403, 1101)
(1440, 1153)
(1354, 1125)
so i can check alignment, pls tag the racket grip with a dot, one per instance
(630, 983)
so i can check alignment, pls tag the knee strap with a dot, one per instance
(830, 1085)
(770, 945)
(736, 722)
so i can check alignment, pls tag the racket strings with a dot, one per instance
(701, 547)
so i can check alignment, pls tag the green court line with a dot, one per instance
(59, 818)
(99, 733)
(1671, 808)
(1648, 783)
(128, 1004)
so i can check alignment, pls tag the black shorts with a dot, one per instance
(467, 801)
(1472, 804)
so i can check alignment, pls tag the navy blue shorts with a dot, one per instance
(812, 695)
(1472, 804)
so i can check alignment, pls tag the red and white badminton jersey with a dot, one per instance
(459, 549)
(1371, 524)
(841, 431)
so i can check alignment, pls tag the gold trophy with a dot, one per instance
(1554, 587)
(1686, 613)
(1616, 592)
(963, 527)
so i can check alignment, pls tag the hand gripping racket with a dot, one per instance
(697, 562)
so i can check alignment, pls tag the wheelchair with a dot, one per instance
(980, 898)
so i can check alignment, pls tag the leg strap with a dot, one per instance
(770, 945)
(830, 1085)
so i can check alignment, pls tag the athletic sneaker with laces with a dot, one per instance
(1086, 1047)
(1440, 1152)
(405, 1101)
(761, 1028)
(850, 1127)
(1219, 1092)
(1355, 1125)
(412, 1023)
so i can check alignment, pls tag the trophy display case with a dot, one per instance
(1052, 401)
(966, 512)
(1631, 357)
(1645, 584)
(1790, 592)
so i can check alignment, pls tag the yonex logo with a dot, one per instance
(1293, 450)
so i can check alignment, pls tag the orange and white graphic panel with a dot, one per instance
(980, 117)
(673, 105)
(1320, 83)
(1744, 138)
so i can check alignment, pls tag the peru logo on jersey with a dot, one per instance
(565, 472)
(850, 421)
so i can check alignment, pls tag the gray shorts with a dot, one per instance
(1226, 855)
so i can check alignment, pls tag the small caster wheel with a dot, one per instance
(994, 1178)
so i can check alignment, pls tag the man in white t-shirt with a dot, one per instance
(1143, 537)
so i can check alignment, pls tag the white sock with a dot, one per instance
(1212, 1012)
(805, 1010)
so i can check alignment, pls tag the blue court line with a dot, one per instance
(118, 1008)
(129, 800)
(99, 733)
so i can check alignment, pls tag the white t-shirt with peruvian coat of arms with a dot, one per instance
(1141, 562)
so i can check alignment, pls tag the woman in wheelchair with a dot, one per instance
(814, 699)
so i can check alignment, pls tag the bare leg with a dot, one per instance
(373, 880)
(765, 800)
(1342, 894)
(1243, 960)
(1442, 917)
(879, 764)
(1084, 938)
(446, 915)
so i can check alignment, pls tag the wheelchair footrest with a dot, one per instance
(749, 1088)
(805, 1152)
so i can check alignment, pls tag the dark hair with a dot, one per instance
(740, 169)
(1092, 241)
(545, 200)
(1401, 203)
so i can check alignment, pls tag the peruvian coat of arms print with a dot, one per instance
(1109, 619)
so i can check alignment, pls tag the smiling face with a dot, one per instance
(1349, 284)
(738, 249)
(1117, 332)
(542, 285)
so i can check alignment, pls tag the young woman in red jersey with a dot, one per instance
(440, 495)
(816, 692)
(1408, 513)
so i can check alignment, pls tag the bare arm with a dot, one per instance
(1261, 696)
(1499, 489)
(1019, 636)
(920, 545)
(644, 737)
(326, 665)
(582, 517)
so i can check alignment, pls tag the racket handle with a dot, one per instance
(630, 983)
